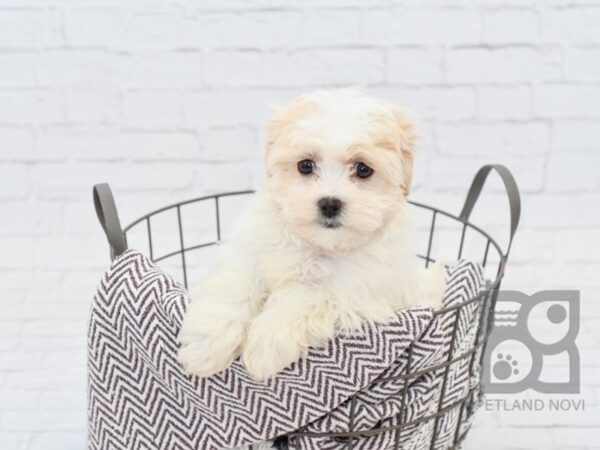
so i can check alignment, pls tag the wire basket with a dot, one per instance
(182, 254)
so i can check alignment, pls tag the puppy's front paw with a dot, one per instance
(269, 350)
(210, 339)
(207, 350)
(206, 355)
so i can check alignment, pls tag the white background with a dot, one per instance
(165, 100)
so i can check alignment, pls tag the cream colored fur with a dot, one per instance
(285, 282)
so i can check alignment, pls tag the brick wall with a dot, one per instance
(165, 100)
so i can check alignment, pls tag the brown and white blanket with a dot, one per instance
(139, 398)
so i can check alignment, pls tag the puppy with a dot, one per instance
(326, 246)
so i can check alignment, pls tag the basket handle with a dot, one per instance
(512, 191)
(106, 210)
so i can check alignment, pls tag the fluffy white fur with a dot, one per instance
(286, 281)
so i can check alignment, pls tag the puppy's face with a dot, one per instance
(339, 165)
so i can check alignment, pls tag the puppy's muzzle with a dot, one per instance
(330, 208)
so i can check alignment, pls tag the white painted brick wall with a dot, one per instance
(165, 100)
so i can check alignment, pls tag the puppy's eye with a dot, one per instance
(362, 170)
(306, 166)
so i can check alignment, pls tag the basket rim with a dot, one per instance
(465, 222)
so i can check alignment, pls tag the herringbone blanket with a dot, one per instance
(139, 398)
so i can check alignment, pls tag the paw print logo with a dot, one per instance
(530, 331)
(505, 367)
(509, 364)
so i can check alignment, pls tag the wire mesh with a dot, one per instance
(491, 258)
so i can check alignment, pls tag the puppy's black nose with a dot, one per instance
(330, 206)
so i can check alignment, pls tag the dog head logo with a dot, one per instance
(339, 165)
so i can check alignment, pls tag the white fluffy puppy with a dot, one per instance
(327, 246)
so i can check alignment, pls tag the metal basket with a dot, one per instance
(492, 257)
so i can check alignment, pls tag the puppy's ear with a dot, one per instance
(408, 140)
